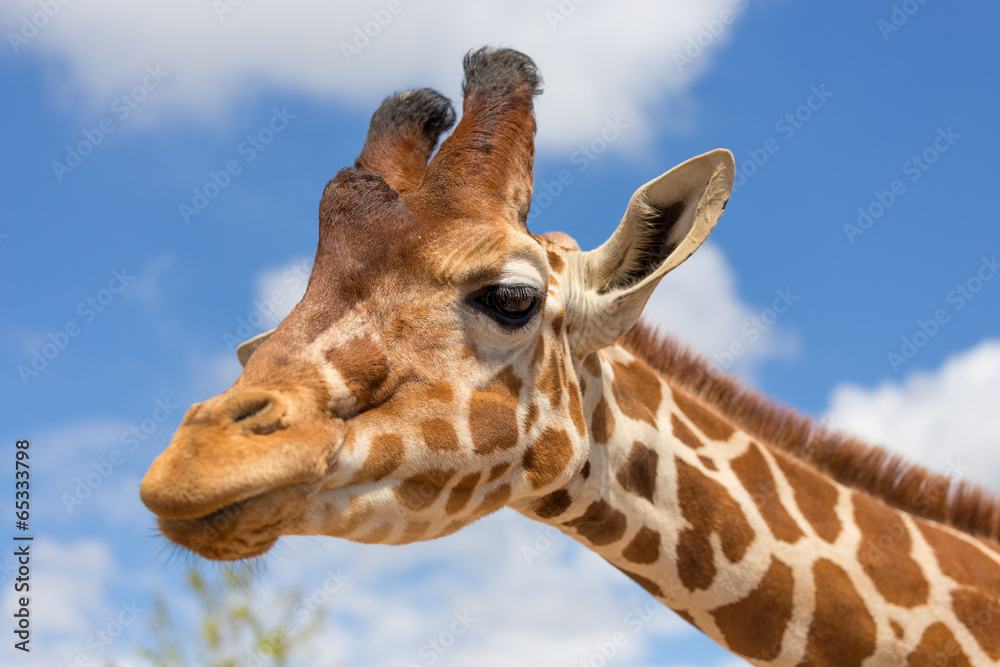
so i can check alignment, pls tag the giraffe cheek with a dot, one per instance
(492, 422)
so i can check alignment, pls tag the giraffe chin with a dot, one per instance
(240, 530)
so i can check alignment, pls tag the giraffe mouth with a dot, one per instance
(243, 529)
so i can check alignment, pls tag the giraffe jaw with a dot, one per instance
(244, 529)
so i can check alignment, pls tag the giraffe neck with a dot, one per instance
(760, 551)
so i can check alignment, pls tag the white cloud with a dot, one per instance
(698, 303)
(947, 420)
(608, 59)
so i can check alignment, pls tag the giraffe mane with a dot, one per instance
(864, 467)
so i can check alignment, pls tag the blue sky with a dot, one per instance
(826, 107)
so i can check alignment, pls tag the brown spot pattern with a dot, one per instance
(557, 323)
(884, 553)
(695, 564)
(440, 391)
(494, 500)
(553, 504)
(683, 433)
(709, 508)
(706, 420)
(548, 457)
(842, 631)
(439, 435)
(576, 409)
(937, 648)
(414, 531)
(356, 515)
(497, 470)
(421, 490)
(492, 421)
(980, 613)
(636, 390)
(585, 471)
(454, 526)
(962, 561)
(551, 381)
(385, 455)
(505, 382)
(601, 524)
(461, 492)
(644, 548)
(555, 261)
(363, 366)
(638, 474)
(755, 625)
(754, 473)
(897, 629)
(708, 463)
(602, 422)
(815, 496)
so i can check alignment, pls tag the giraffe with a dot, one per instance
(445, 362)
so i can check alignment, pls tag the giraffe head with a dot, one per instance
(429, 374)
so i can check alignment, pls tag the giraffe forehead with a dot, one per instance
(477, 253)
(374, 242)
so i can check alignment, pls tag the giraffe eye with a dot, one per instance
(510, 305)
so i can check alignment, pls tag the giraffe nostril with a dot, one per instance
(255, 409)
(250, 409)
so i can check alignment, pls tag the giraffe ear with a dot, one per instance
(247, 347)
(666, 221)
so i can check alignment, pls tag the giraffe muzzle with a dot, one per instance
(243, 444)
